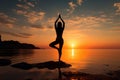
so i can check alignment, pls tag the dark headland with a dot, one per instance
(15, 45)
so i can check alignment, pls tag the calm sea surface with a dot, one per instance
(94, 61)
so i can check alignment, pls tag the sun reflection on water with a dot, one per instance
(76, 57)
(73, 53)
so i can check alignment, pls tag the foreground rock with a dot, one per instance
(22, 65)
(52, 65)
(5, 62)
(114, 74)
(49, 65)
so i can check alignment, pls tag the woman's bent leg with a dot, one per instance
(53, 45)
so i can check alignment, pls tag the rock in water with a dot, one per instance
(23, 65)
(52, 65)
(5, 62)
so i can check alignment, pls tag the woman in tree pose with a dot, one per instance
(59, 27)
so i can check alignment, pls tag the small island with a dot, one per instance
(15, 45)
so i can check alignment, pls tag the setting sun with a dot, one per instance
(72, 45)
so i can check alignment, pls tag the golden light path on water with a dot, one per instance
(75, 57)
(73, 53)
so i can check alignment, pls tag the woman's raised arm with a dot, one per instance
(62, 21)
(56, 22)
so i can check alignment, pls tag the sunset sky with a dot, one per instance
(88, 23)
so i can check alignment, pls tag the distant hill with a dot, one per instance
(16, 45)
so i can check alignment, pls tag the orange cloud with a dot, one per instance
(27, 3)
(31, 4)
(74, 5)
(79, 2)
(21, 12)
(32, 16)
(16, 34)
(117, 5)
(86, 22)
(6, 21)
(23, 6)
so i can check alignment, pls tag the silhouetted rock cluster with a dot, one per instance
(52, 65)
(114, 74)
(23, 65)
(5, 62)
(49, 65)
(16, 45)
(27, 66)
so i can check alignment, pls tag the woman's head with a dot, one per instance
(59, 24)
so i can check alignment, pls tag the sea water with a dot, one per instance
(96, 61)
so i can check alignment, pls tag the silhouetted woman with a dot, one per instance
(59, 27)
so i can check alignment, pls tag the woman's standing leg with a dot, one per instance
(60, 48)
